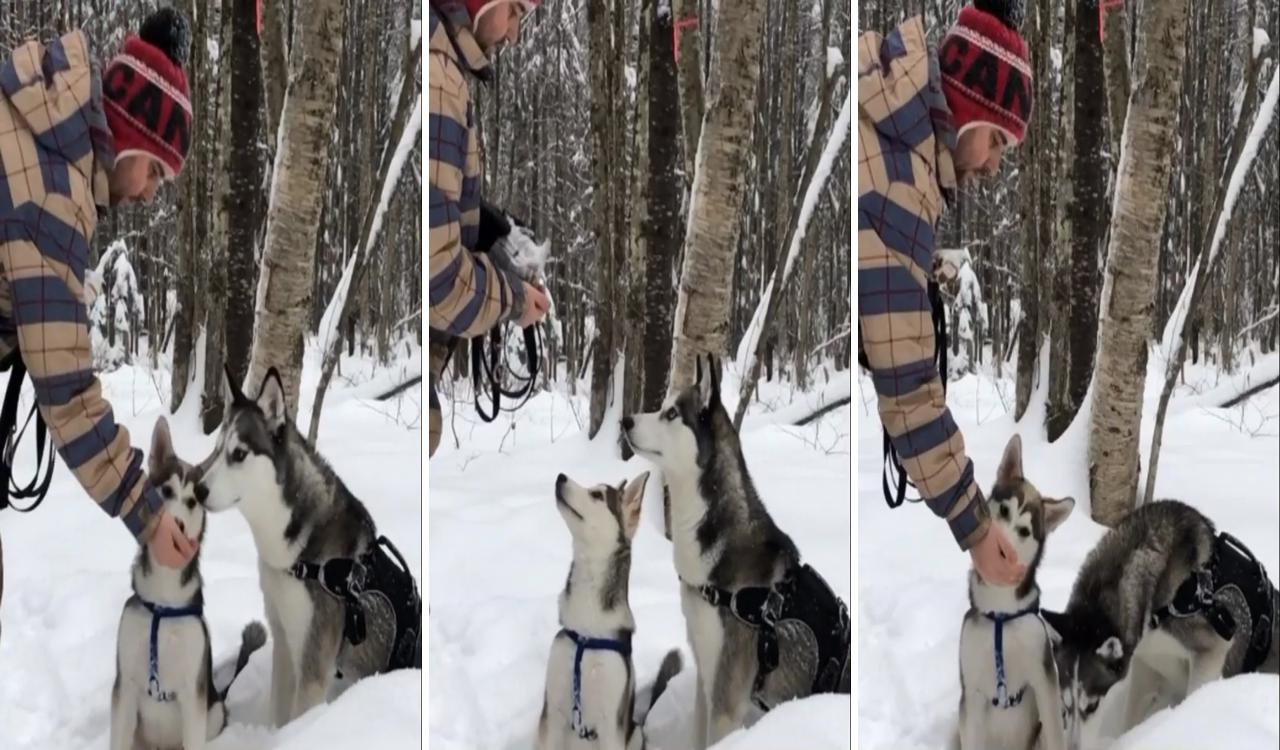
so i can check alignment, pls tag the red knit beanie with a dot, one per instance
(986, 75)
(476, 7)
(145, 92)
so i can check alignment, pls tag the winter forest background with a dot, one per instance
(1033, 246)
(179, 280)
(607, 179)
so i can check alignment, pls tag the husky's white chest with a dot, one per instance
(1022, 651)
(605, 688)
(180, 651)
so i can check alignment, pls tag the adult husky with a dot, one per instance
(764, 628)
(335, 600)
(1169, 602)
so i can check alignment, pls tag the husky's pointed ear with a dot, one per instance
(230, 387)
(632, 499)
(1056, 511)
(1111, 650)
(161, 446)
(1010, 470)
(271, 399)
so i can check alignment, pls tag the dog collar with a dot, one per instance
(1003, 699)
(584, 644)
(158, 613)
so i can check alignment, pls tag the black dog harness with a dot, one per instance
(1231, 565)
(802, 596)
(373, 573)
(584, 644)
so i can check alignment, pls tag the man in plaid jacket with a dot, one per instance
(72, 141)
(469, 295)
(927, 121)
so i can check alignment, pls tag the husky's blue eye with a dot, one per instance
(671, 414)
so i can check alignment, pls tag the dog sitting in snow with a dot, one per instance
(164, 696)
(590, 691)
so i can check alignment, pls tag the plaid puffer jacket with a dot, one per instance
(468, 294)
(906, 138)
(55, 152)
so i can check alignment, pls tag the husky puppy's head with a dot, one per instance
(177, 481)
(243, 467)
(601, 518)
(1022, 512)
(681, 436)
(1090, 662)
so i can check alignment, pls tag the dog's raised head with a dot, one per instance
(177, 481)
(602, 518)
(682, 435)
(243, 466)
(1026, 516)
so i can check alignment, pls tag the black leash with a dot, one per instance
(492, 372)
(36, 489)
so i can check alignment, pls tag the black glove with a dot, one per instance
(493, 227)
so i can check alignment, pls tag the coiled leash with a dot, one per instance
(584, 644)
(493, 371)
(894, 479)
(36, 489)
(158, 613)
(1003, 699)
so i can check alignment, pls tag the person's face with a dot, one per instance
(500, 24)
(978, 152)
(135, 178)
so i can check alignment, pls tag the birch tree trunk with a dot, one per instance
(702, 307)
(284, 287)
(689, 73)
(1115, 55)
(1129, 288)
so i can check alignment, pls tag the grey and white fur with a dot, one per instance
(722, 535)
(184, 664)
(602, 521)
(1027, 518)
(297, 509)
(1105, 633)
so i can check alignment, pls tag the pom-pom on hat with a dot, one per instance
(146, 95)
(986, 72)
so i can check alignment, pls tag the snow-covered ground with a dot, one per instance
(912, 592)
(500, 553)
(66, 576)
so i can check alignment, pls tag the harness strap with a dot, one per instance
(583, 644)
(36, 489)
(158, 613)
(1003, 699)
(343, 578)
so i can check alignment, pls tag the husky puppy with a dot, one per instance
(590, 693)
(764, 627)
(1168, 602)
(164, 695)
(1008, 681)
(335, 600)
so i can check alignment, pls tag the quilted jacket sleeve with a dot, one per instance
(899, 202)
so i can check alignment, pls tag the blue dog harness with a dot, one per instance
(159, 613)
(1003, 699)
(622, 647)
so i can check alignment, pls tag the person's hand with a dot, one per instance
(536, 304)
(169, 545)
(996, 560)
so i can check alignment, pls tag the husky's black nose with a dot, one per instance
(628, 423)
(560, 480)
